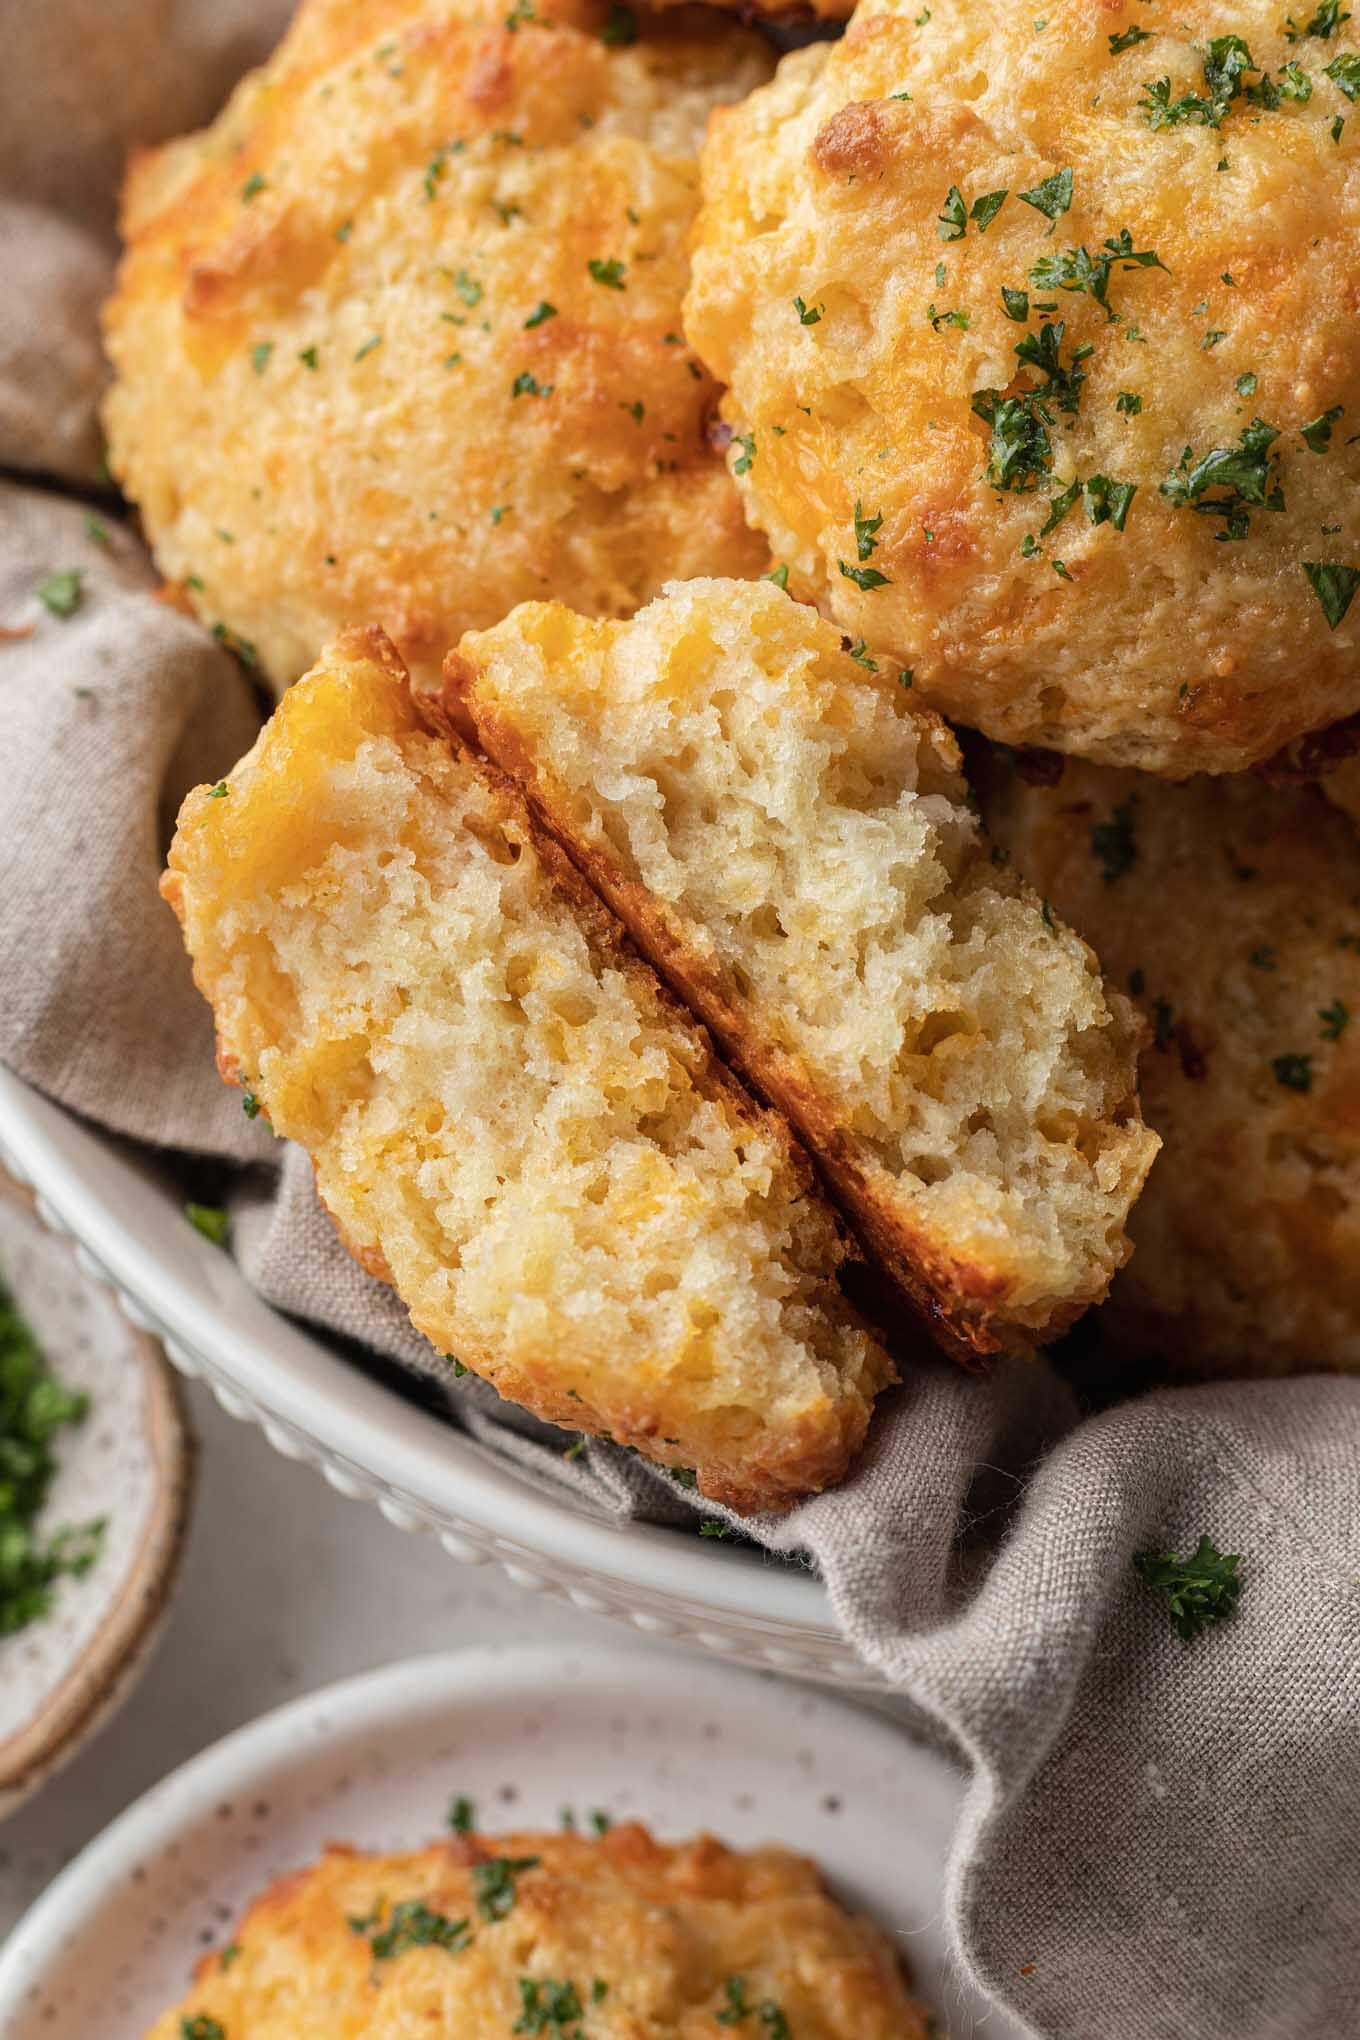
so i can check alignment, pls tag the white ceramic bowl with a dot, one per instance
(375, 1761)
(369, 1441)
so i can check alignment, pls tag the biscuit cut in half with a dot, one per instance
(1042, 362)
(788, 838)
(398, 336)
(1232, 910)
(511, 1119)
(620, 1938)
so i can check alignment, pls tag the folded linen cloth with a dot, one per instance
(1161, 1838)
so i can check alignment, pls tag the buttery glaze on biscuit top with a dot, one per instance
(1232, 910)
(621, 1938)
(398, 337)
(511, 1120)
(974, 276)
(788, 837)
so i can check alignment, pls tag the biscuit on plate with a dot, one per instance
(620, 1938)
(1232, 911)
(398, 337)
(511, 1120)
(788, 837)
(1044, 365)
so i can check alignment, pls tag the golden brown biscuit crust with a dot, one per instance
(651, 1941)
(868, 444)
(399, 336)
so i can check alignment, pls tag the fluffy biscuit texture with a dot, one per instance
(1233, 910)
(623, 1938)
(398, 338)
(511, 1120)
(788, 837)
(910, 268)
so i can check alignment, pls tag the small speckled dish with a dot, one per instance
(681, 1745)
(131, 1462)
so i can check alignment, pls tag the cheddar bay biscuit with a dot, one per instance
(511, 1121)
(620, 1938)
(398, 337)
(788, 836)
(1043, 361)
(1232, 910)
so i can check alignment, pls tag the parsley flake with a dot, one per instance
(1243, 472)
(259, 355)
(808, 315)
(1293, 1072)
(1317, 434)
(1114, 844)
(548, 2007)
(747, 442)
(1200, 1590)
(374, 340)
(527, 385)
(609, 274)
(1127, 39)
(953, 218)
(1128, 403)
(865, 530)
(779, 575)
(493, 1884)
(1344, 73)
(412, 1924)
(1052, 197)
(985, 209)
(1334, 585)
(210, 1220)
(60, 593)
(252, 187)
(462, 1815)
(540, 315)
(1334, 1018)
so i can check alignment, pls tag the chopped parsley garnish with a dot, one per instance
(307, 356)
(779, 575)
(1212, 339)
(939, 320)
(253, 185)
(1078, 269)
(1334, 1018)
(259, 355)
(493, 1884)
(467, 287)
(60, 593)
(527, 385)
(712, 1527)
(684, 1476)
(867, 578)
(1015, 303)
(373, 340)
(1244, 473)
(859, 652)
(1294, 83)
(808, 315)
(201, 2027)
(985, 209)
(522, 11)
(540, 315)
(1127, 39)
(737, 2009)
(620, 27)
(1046, 916)
(610, 274)
(462, 1815)
(1019, 452)
(747, 442)
(1323, 25)
(1200, 1590)
(218, 792)
(251, 1106)
(1317, 434)
(1052, 197)
(210, 1220)
(412, 1924)
(34, 1406)
(865, 530)
(1128, 403)
(1344, 73)
(1334, 585)
(1293, 1072)
(635, 410)
(96, 532)
(953, 218)
(548, 2007)
(1114, 844)
(1246, 385)
(231, 1953)
(600, 1821)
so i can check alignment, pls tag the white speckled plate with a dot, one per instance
(130, 1463)
(682, 1745)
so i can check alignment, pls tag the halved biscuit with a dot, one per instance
(511, 1120)
(788, 837)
